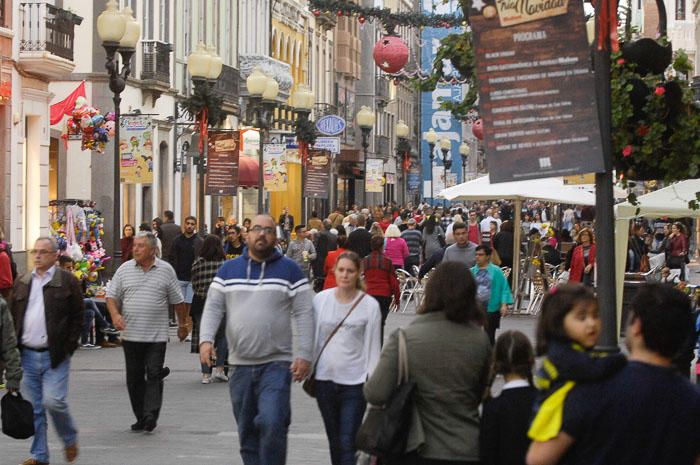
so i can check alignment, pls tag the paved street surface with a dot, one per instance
(196, 425)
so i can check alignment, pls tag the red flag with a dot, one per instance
(66, 106)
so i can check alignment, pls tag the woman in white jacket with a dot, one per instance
(349, 356)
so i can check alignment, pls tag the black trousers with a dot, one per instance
(384, 303)
(410, 261)
(493, 322)
(144, 377)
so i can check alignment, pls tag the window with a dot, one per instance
(165, 20)
(680, 10)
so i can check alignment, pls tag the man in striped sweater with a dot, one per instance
(414, 241)
(138, 299)
(262, 294)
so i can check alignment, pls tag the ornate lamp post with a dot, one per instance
(464, 152)
(402, 149)
(365, 120)
(303, 102)
(204, 65)
(445, 146)
(119, 32)
(263, 90)
(431, 138)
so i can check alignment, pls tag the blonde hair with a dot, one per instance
(376, 230)
(355, 259)
(392, 231)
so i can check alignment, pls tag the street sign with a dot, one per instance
(332, 144)
(330, 125)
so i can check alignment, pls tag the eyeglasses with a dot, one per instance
(261, 229)
(41, 252)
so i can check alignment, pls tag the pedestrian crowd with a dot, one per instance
(271, 302)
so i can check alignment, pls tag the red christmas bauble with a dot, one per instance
(361, 19)
(340, 13)
(317, 13)
(478, 129)
(390, 54)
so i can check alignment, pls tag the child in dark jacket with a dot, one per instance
(567, 332)
(506, 418)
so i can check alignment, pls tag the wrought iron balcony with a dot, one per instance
(382, 89)
(46, 39)
(227, 85)
(323, 109)
(156, 61)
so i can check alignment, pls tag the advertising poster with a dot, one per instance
(536, 89)
(413, 180)
(136, 149)
(432, 116)
(318, 171)
(275, 167)
(374, 175)
(222, 163)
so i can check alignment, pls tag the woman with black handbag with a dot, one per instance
(449, 387)
(348, 323)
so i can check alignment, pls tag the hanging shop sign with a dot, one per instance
(136, 149)
(536, 90)
(318, 171)
(222, 162)
(332, 144)
(330, 125)
(275, 167)
(374, 177)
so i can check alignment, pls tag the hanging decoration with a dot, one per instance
(478, 129)
(78, 229)
(390, 53)
(89, 126)
(305, 131)
(390, 20)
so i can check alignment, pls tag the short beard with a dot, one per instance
(264, 253)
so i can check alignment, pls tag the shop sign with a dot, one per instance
(330, 125)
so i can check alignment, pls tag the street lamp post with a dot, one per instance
(445, 145)
(402, 149)
(204, 65)
(431, 138)
(464, 151)
(365, 120)
(303, 102)
(119, 32)
(263, 91)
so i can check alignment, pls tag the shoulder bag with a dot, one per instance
(309, 384)
(384, 432)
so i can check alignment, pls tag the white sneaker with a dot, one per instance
(206, 379)
(220, 376)
(188, 338)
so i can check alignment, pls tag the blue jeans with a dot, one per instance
(92, 313)
(342, 408)
(47, 389)
(260, 399)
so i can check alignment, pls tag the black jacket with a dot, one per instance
(504, 426)
(169, 231)
(359, 242)
(63, 307)
(183, 253)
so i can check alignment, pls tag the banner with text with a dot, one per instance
(374, 176)
(318, 172)
(222, 162)
(536, 90)
(136, 149)
(275, 167)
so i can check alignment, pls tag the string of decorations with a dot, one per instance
(389, 19)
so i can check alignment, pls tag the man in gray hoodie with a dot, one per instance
(261, 294)
(462, 250)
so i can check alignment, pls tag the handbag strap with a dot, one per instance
(335, 330)
(403, 359)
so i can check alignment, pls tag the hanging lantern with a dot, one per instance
(390, 54)
(478, 129)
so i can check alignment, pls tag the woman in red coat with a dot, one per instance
(332, 258)
(380, 278)
(583, 259)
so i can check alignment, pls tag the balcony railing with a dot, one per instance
(382, 89)
(47, 28)
(323, 109)
(156, 61)
(227, 84)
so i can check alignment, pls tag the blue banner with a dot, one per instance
(441, 121)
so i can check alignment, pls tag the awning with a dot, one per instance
(247, 171)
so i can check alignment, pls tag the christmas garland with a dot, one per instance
(389, 19)
(203, 97)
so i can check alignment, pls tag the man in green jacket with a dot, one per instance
(9, 354)
(492, 290)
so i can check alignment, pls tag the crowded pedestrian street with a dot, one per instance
(349, 232)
